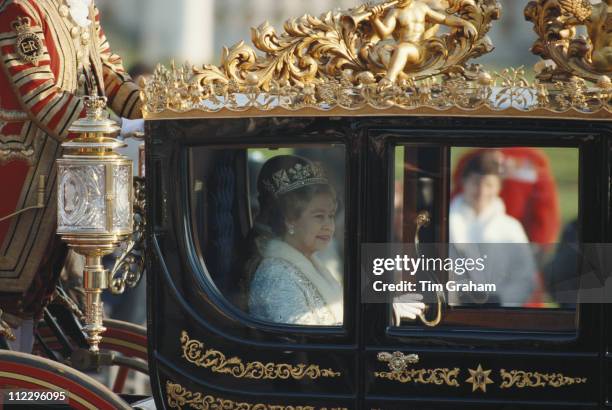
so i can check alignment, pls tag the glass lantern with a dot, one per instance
(94, 203)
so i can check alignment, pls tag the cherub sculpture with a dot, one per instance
(410, 22)
(395, 40)
(598, 20)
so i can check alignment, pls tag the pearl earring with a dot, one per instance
(291, 230)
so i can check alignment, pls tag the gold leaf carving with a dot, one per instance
(522, 379)
(343, 63)
(438, 376)
(479, 378)
(314, 49)
(568, 53)
(171, 91)
(195, 352)
(180, 398)
(336, 46)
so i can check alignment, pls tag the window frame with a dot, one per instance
(203, 277)
(382, 142)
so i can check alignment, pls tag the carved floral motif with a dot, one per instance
(522, 379)
(438, 376)
(195, 352)
(179, 397)
(570, 54)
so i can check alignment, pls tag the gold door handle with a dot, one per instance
(397, 361)
(423, 219)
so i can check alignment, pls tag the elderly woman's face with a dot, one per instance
(314, 228)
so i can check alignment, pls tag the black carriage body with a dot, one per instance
(204, 351)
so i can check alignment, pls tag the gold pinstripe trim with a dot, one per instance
(28, 9)
(8, 38)
(135, 104)
(33, 94)
(32, 12)
(95, 51)
(109, 341)
(44, 90)
(31, 116)
(14, 56)
(12, 116)
(33, 74)
(67, 77)
(73, 111)
(49, 386)
(120, 342)
(52, 109)
(14, 60)
(120, 99)
(111, 82)
(12, 34)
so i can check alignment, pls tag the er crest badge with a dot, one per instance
(28, 44)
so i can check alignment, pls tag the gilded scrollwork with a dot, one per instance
(524, 379)
(397, 361)
(363, 45)
(314, 49)
(365, 61)
(196, 353)
(571, 54)
(170, 93)
(6, 330)
(179, 397)
(130, 264)
(439, 376)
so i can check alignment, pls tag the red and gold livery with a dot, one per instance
(47, 62)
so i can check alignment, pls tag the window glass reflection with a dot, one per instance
(522, 201)
(517, 195)
(478, 215)
(270, 228)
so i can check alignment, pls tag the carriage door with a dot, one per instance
(515, 203)
(226, 329)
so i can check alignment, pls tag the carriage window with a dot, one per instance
(516, 206)
(269, 229)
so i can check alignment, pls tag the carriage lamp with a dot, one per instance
(94, 203)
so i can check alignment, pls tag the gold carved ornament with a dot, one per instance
(569, 54)
(179, 398)
(130, 265)
(362, 56)
(312, 50)
(339, 64)
(398, 366)
(6, 330)
(523, 379)
(479, 379)
(195, 352)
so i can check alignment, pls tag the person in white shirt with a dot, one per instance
(478, 216)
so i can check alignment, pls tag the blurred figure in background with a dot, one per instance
(478, 216)
(528, 190)
(530, 195)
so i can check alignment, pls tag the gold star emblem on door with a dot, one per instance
(479, 378)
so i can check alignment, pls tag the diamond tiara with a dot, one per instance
(298, 176)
